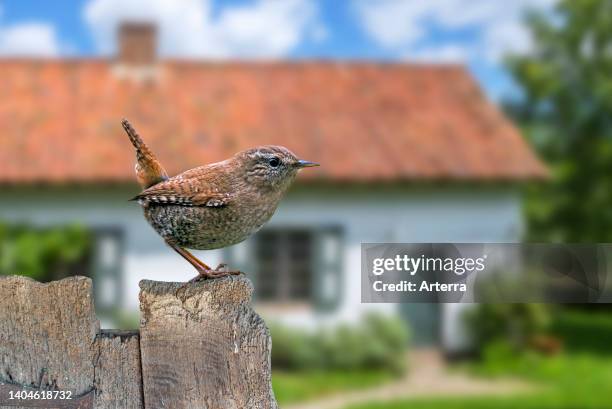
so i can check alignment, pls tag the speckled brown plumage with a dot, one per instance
(216, 205)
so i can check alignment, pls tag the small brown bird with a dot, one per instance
(216, 205)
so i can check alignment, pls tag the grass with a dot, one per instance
(581, 377)
(567, 382)
(522, 402)
(291, 387)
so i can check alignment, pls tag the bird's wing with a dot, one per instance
(208, 199)
(210, 188)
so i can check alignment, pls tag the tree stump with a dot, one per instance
(202, 346)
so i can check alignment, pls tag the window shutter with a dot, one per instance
(328, 279)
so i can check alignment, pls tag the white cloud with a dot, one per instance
(29, 40)
(391, 22)
(506, 36)
(403, 25)
(188, 28)
(448, 53)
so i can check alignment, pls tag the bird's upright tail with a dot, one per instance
(148, 169)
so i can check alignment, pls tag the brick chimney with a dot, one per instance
(137, 44)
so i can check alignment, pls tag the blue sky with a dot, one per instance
(477, 33)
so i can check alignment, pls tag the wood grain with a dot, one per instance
(118, 379)
(48, 326)
(202, 346)
(47, 333)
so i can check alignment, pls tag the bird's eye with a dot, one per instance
(274, 162)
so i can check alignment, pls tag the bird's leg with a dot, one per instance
(204, 271)
(193, 260)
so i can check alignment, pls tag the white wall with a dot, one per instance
(146, 255)
(388, 214)
(409, 215)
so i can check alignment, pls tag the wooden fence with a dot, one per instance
(199, 346)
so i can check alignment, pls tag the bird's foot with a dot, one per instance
(220, 271)
(222, 268)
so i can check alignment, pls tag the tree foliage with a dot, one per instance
(566, 111)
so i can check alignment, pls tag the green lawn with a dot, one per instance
(561, 382)
(525, 402)
(581, 377)
(566, 382)
(292, 387)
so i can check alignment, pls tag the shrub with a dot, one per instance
(377, 342)
(514, 324)
(44, 254)
(389, 338)
(294, 349)
(584, 331)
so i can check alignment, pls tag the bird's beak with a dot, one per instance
(305, 164)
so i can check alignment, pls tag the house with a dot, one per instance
(409, 153)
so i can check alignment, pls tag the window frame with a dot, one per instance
(242, 256)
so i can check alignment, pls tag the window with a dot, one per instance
(285, 264)
(293, 265)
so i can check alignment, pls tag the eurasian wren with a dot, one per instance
(216, 205)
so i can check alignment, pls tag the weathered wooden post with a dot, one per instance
(118, 380)
(200, 346)
(47, 336)
(203, 346)
(50, 340)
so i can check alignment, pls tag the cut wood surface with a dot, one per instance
(202, 346)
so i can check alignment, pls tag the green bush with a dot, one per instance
(500, 358)
(44, 254)
(514, 324)
(584, 331)
(377, 342)
(388, 338)
(293, 349)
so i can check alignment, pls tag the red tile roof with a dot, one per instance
(60, 120)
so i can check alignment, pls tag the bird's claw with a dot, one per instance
(223, 270)
(220, 271)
